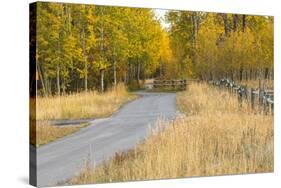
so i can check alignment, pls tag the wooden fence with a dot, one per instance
(170, 84)
(262, 98)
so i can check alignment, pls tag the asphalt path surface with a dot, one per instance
(64, 158)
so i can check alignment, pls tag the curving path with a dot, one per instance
(64, 158)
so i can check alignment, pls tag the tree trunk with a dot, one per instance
(114, 73)
(195, 27)
(102, 80)
(138, 73)
(41, 78)
(266, 71)
(226, 25)
(160, 68)
(114, 67)
(195, 23)
(251, 74)
(102, 50)
(134, 72)
(130, 72)
(85, 61)
(86, 76)
(244, 23)
(235, 22)
(241, 74)
(49, 88)
(58, 80)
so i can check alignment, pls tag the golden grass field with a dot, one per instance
(75, 106)
(214, 137)
(91, 104)
(44, 132)
(267, 84)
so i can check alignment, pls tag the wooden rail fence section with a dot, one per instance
(262, 98)
(170, 84)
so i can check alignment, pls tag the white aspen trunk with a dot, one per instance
(102, 80)
(58, 79)
(114, 67)
(85, 61)
(102, 51)
(114, 73)
(86, 75)
(41, 78)
(138, 73)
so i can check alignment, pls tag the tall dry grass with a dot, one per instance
(202, 99)
(215, 137)
(43, 132)
(74, 106)
(90, 104)
(266, 84)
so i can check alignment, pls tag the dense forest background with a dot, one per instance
(88, 47)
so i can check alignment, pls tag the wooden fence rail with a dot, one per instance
(262, 98)
(170, 84)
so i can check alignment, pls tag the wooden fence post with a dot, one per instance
(263, 103)
(252, 98)
(259, 93)
(240, 97)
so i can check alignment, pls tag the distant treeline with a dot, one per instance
(217, 45)
(82, 47)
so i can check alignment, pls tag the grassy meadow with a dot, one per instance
(214, 136)
(74, 106)
(44, 132)
(266, 84)
(91, 104)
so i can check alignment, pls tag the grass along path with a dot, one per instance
(75, 106)
(82, 105)
(44, 132)
(215, 137)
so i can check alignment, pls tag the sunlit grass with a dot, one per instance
(266, 84)
(74, 106)
(216, 136)
(43, 132)
(91, 104)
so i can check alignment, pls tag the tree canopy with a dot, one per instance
(81, 47)
(216, 45)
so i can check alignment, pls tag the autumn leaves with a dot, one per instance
(81, 47)
(88, 47)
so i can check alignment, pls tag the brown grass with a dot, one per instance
(82, 105)
(43, 132)
(266, 84)
(216, 137)
(75, 106)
